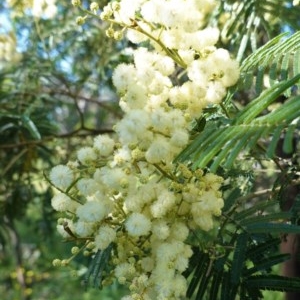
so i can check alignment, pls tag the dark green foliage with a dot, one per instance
(98, 265)
(250, 256)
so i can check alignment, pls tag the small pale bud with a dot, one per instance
(116, 6)
(136, 296)
(80, 20)
(64, 262)
(74, 250)
(90, 245)
(144, 179)
(198, 173)
(132, 287)
(106, 14)
(118, 35)
(131, 260)
(110, 32)
(56, 262)
(61, 221)
(122, 280)
(124, 183)
(76, 3)
(94, 6)
(187, 117)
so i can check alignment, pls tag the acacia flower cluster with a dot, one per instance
(127, 193)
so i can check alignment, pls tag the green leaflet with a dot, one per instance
(30, 126)
(266, 218)
(267, 263)
(256, 106)
(199, 273)
(272, 228)
(239, 258)
(273, 282)
(98, 265)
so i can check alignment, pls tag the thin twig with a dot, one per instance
(75, 133)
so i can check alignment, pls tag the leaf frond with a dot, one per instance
(248, 19)
(222, 146)
(276, 61)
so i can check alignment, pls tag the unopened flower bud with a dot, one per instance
(106, 14)
(74, 250)
(61, 221)
(137, 154)
(198, 173)
(56, 262)
(76, 3)
(94, 6)
(118, 35)
(124, 183)
(187, 117)
(90, 245)
(64, 262)
(80, 20)
(122, 280)
(110, 32)
(116, 6)
(136, 296)
(132, 287)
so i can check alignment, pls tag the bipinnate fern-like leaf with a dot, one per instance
(250, 20)
(251, 249)
(215, 146)
(276, 61)
(236, 273)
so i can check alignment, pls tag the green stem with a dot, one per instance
(164, 173)
(225, 110)
(171, 53)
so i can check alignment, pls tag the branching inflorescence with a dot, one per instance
(127, 191)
